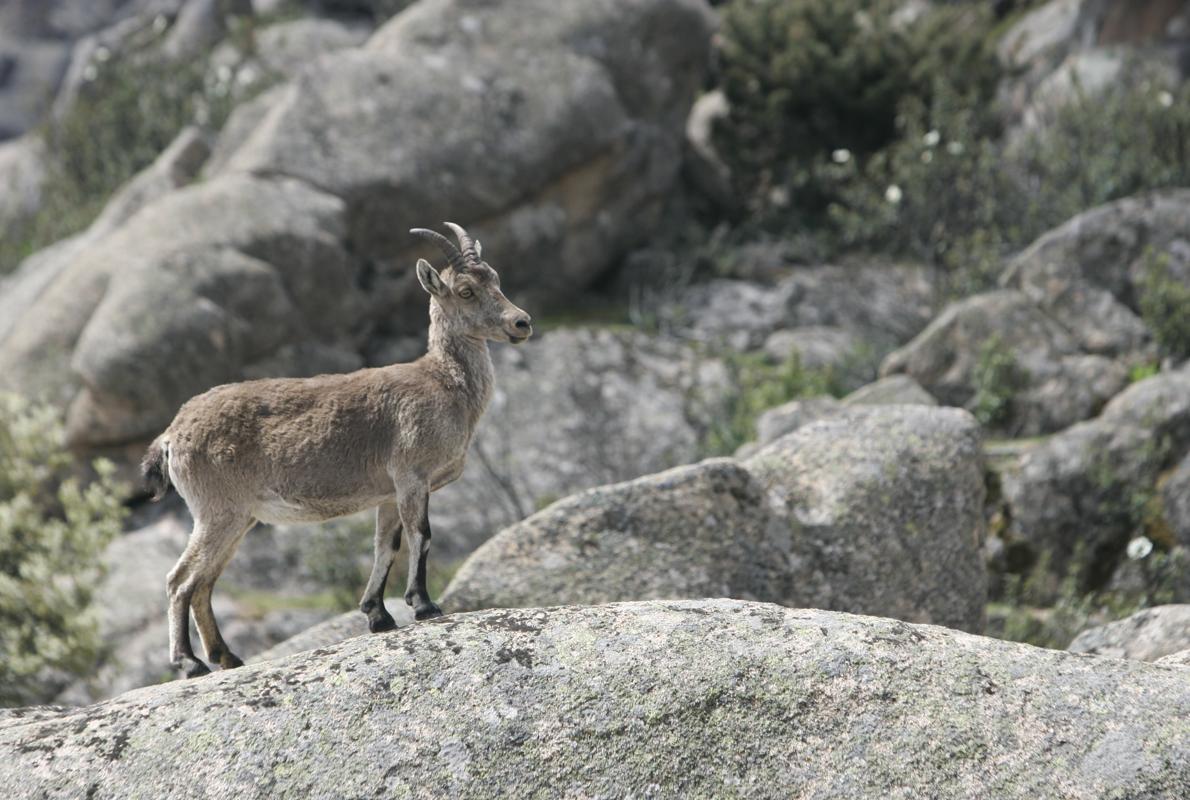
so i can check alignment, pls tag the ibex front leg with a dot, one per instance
(387, 543)
(414, 504)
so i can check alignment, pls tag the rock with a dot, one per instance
(1086, 487)
(22, 174)
(809, 520)
(1052, 385)
(30, 70)
(880, 305)
(821, 347)
(1145, 636)
(686, 698)
(200, 24)
(254, 265)
(893, 390)
(1175, 502)
(564, 138)
(1178, 659)
(788, 417)
(287, 47)
(704, 166)
(574, 409)
(1086, 273)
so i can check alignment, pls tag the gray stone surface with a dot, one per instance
(1175, 502)
(1145, 636)
(877, 510)
(1079, 488)
(684, 698)
(1055, 383)
(576, 408)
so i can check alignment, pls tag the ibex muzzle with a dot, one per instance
(310, 449)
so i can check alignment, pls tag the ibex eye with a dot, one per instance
(466, 294)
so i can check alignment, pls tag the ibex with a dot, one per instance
(310, 449)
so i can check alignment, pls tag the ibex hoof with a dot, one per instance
(428, 611)
(381, 623)
(191, 668)
(230, 661)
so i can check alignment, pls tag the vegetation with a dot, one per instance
(812, 80)
(52, 532)
(760, 385)
(997, 380)
(1165, 305)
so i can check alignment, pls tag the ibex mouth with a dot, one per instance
(517, 339)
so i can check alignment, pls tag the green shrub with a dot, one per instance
(1165, 305)
(996, 380)
(808, 78)
(52, 533)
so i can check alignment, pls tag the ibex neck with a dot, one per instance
(466, 365)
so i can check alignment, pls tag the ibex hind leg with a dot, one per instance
(204, 616)
(211, 544)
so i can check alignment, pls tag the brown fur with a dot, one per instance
(310, 449)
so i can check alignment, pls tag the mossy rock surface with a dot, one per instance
(710, 698)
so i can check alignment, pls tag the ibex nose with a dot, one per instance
(524, 323)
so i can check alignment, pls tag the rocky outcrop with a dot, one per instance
(1087, 486)
(22, 174)
(1148, 635)
(574, 409)
(1067, 327)
(295, 249)
(877, 510)
(788, 417)
(683, 698)
(818, 309)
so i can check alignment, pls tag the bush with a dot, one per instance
(1165, 305)
(952, 195)
(806, 78)
(52, 533)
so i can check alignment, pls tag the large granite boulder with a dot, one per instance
(1086, 488)
(878, 510)
(551, 131)
(698, 698)
(1147, 635)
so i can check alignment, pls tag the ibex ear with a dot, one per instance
(430, 280)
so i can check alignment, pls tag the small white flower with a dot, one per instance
(90, 72)
(927, 156)
(1139, 548)
(1165, 99)
(247, 75)
(841, 156)
(223, 73)
(932, 138)
(954, 148)
(893, 194)
(779, 196)
(160, 23)
(102, 54)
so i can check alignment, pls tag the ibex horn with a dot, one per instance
(466, 244)
(456, 258)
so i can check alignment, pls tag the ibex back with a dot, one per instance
(306, 450)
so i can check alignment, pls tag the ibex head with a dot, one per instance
(467, 293)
